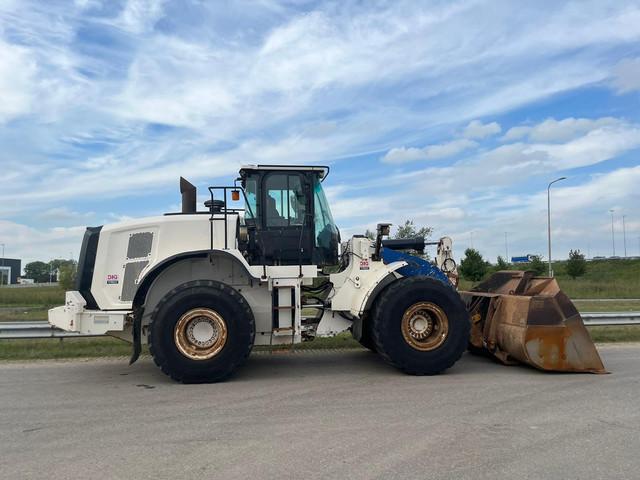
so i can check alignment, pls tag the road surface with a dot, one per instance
(320, 415)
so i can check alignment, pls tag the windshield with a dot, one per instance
(324, 224)
(250, 191)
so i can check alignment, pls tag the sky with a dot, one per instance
(455, 114)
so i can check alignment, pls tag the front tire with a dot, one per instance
(201, 332)
(420, 325)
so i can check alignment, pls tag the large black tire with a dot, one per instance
(177, 305)
(389, 335)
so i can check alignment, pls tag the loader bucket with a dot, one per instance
(517, 317)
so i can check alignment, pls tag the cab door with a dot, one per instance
(286, 233)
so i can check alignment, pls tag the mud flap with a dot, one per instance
(137, 337)
(519, 318)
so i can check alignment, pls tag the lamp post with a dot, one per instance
(613, 236)
(549, 218)
(506, 247)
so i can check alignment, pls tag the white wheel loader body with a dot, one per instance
(203, 287)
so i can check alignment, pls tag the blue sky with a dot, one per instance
(455, 114)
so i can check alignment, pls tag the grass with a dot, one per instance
(52, 348)
(623, 333)
(617, 306)
(31, 296)
(603, 279)
(55, 348)
(17, 314)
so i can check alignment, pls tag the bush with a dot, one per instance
(537, 265)
(473, 266)
(67, 278)
(576, 265)
(502, 264)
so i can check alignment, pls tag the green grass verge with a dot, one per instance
(43, 349)
(52, 348)
(622, 333)
(603, 279)
(17, 314)
(617, 306)
(31, 296)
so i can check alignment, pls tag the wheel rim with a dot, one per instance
(200, 334)
(425, 326)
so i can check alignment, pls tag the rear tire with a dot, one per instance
(420, 325)
(201, 332)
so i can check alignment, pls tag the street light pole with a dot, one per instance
(613, 236)
(624, 236)
(506, 247)
(549, 219)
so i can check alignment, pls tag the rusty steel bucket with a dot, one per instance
(518, 317)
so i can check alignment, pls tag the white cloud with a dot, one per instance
(477, 129)
(139, 16)
(17, 80)
(126, 109)
(627, 75)
(29, 244)
(597, 145)
(552, 130)
(430, 152)
(516, 133)
(404, 154)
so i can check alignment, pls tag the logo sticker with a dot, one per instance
(112, 279)
(364, 264)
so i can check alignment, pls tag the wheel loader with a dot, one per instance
(263, 264)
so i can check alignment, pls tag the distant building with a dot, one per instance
(9, 270)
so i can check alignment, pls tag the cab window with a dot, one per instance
(323, 220)
(251, 207)
(285, 203)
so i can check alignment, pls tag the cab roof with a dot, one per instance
(322, 170)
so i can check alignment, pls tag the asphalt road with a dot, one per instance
(320, 415)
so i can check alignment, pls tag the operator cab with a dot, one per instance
(287, 216)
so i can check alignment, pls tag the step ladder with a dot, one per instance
(285, 304)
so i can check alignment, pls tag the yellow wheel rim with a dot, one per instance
(425, 326)
(200, 334)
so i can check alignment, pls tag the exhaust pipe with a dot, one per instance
(188, 191)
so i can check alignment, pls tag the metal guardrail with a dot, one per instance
(601, 319)
(574, 300)
(41, 329)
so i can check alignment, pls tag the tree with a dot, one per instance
(38, 271)
(501, 264)
(576, 265)
(473, 266)
(56, 263)
(67, 277)
(409, 230)
(537, 265)
(369, 234)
